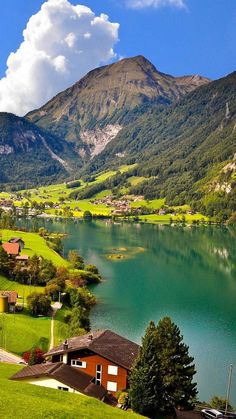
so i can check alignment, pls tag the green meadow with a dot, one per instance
(20, 332)
(34, 244)
(20, 400)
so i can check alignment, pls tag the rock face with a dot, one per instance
(105, 98)
(98, 138)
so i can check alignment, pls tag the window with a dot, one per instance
(78, 363)
(111, 386)
(112, 370)
(98, 374)
(63, 388)
(61, 358)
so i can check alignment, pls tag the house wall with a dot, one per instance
(50, 383)
(92, 360)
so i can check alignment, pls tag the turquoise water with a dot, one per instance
(186, 273)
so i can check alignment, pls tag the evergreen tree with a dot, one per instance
(162, 375)
(145, 377)
(176, 367)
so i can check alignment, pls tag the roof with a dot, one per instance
(67, 375)
(105, 343)
(11, 248)
(16, 240)
(22, 257)
(12, 296)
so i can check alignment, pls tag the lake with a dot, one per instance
(151, 271)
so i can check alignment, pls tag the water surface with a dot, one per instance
(186, 273)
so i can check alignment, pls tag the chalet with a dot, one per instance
(19, 241)
(12, 249)
(103, 355)
(61, 377)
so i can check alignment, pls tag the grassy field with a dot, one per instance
(20, 400)
(60, 328)
(20, 332)
(34, 244)
(156, 218)
(22, 290)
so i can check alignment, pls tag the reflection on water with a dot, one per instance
(187, 273)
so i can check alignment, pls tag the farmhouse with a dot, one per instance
(93, 364)
(104, 355)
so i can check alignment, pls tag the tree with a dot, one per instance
(176, 367)
(76, 261)
(79, 321)
(162, 376)
(219, 403)
(145, 379)
(38, 303)
(87, 215)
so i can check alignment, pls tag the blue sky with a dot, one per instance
(181, 37)
(200, 39)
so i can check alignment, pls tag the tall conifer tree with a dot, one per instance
(162, 376)
(176, 366)
(145, 378)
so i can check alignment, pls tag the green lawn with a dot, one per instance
(23, 290)
(34, 244)
(20, 400)
(19, 332)
(156, 218)
(60, 327)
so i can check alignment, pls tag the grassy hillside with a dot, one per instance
(20, 332)
(19, 400)
(34, 244)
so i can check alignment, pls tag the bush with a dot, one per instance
(39, 303)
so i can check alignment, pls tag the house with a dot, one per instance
(62, 377)
(12, 249)
(11, 300)
(103, 355)
(19, 241)
(23, 259)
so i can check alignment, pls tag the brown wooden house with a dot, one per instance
(103, 355)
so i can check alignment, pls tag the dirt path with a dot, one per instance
(56, 306)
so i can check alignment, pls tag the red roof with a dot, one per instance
(11, 248)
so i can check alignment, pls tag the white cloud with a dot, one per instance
(141, 4)
(61, 43)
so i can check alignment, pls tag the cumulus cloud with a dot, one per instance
(141, 4)
(61, 43)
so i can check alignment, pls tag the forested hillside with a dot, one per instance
(183, 149)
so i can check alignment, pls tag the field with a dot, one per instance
(20, 332)
(34, 244)
(22, 290)
(60, 327)
(20, 400)
(64, 206)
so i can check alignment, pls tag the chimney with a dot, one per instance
(90, 337)
(65, 345)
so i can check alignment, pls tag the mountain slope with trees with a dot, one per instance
(29, 155)
(186, 150)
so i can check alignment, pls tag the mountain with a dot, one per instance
(93, 111)
(29, 155)
(187, 150)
